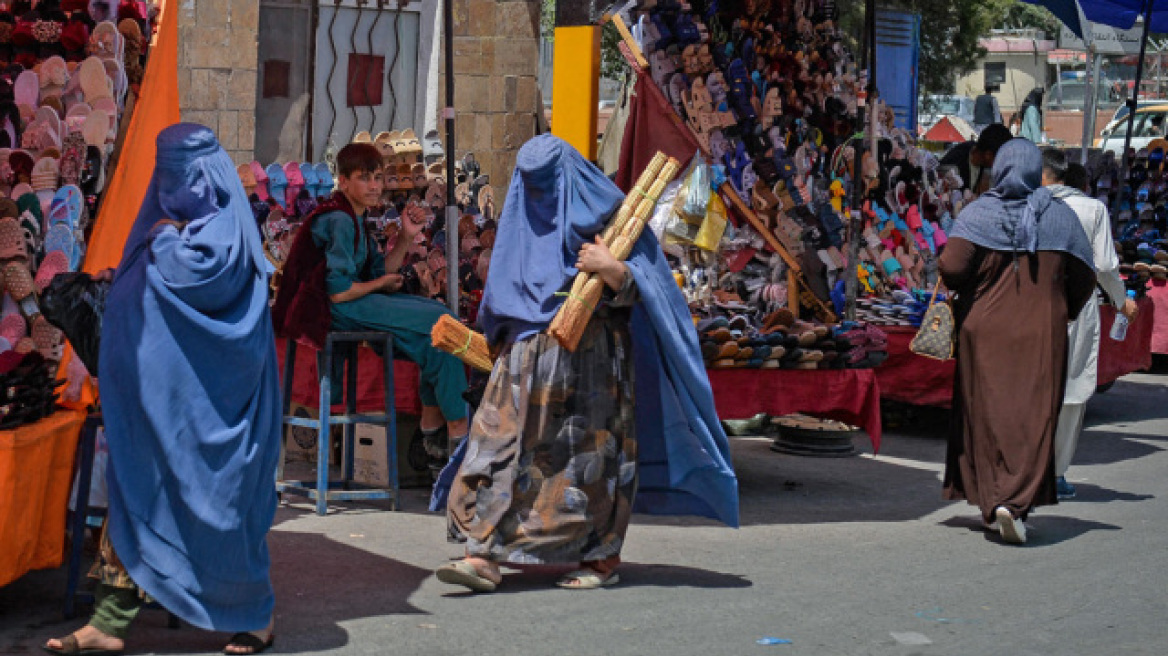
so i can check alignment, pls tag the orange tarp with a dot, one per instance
(36, 461)
(36, 472)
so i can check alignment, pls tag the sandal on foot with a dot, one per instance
(464, 574)
(70, 647)
(587, 579)
(250, 641)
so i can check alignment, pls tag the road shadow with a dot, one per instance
(1098, 447)
(1088, 493)
(902, 483)
(632, 575)
(320, 585)
(1043, 530)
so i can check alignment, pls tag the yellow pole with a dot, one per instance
(576, 86)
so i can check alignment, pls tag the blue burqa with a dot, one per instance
(190, 393)
(556, 202)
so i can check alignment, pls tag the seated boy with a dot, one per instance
(362, 296)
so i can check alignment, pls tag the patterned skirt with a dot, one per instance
(550, 471)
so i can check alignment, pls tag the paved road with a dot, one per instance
(842, 557)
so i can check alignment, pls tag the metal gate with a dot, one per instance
(367, 71)
(329, 69)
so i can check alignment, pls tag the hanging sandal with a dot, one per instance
(587, 579)
(250, 641)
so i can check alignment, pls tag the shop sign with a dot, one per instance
(1108, 40)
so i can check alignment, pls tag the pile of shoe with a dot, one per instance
(899, 308)
(68, 71)
(28, 387)
(769, 89)
(781, 341)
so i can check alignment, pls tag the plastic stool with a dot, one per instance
(322, 490)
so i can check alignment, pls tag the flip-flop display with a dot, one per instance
(58, 124)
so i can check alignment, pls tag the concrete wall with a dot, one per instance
(496, 64)
(217, 69)
(1024, 72)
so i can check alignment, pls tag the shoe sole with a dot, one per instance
(1009, 527)
(466, 579)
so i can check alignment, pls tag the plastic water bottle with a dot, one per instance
(1119, 328)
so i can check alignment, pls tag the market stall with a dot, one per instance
(86, 116)
(767, 99)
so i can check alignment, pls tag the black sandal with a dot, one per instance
(250, 641)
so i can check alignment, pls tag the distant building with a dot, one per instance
(1016, 62)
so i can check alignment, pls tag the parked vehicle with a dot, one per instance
(932, 108)
(1143, 132)
(1070, 94)
(1121, 111)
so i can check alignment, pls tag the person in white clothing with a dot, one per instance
(1066, 182)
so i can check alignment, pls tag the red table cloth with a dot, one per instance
(370, 380)
(1158, 292)
(910, 378)
(848, 395)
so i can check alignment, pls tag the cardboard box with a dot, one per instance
(369, 456)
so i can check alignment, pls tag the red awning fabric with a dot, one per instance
(652, 126)
(949, 130)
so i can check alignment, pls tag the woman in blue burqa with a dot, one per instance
(1021, 267)
(565, 445)
(190, 398)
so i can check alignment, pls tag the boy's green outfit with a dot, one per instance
(408, 318)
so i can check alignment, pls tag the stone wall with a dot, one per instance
(496, 63)
(217, 69)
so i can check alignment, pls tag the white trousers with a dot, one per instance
(1066, 437)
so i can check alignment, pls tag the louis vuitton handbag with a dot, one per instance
(936, 337)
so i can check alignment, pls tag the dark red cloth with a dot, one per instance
(848, 395)
(1158, 292)
(652, 126)
(910, 378)
(370, 380)
(302, 311)
(1134, 353)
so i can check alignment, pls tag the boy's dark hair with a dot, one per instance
(993, 137)
(1076, 177)
(358, 158)
(1055, 161)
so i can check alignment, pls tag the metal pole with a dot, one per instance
(1132, 103)
(851, 280)
(1092, 117)
(1088, 98)
(451, 205)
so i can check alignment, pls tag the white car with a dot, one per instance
(1151, 122)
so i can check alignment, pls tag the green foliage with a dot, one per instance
(950, 31)
(612, 63)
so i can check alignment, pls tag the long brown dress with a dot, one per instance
(1011, 371)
